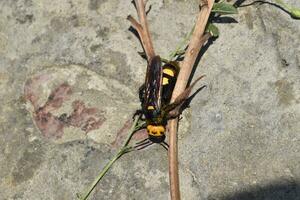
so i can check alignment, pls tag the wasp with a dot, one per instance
(155, 96)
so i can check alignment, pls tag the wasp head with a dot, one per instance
(156, 133)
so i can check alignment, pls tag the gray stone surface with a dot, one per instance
(239, 139)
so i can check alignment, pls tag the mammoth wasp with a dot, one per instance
(155, 96)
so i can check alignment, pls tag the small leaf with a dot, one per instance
(213, 30)
(180, 52)
(224, 8)
(295, 12)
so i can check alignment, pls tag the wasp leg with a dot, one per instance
(138, 113)
(141, 97)
(142, 93)
(180, 100)
(173, 114)
(178, 111)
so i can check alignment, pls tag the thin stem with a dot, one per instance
(283, 4)
(102, 173)
(190, 56)
(140, 4)
(125, 149)
(180, 46)
(294, 11)
(173, 160)
(142, 28)
(135, 126)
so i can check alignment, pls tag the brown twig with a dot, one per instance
(142, 29)
(196, 42)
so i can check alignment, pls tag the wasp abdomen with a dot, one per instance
(170, 72)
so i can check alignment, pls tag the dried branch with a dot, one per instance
(197, 41)
(142, 29)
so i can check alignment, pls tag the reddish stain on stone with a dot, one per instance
(31, 89)
(140, 135)
(49, 124)
(58, 96)
(122, 134)
(52, 126)
(86, 118)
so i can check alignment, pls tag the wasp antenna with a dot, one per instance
(142, 141)
(142, 146)
(164, 145)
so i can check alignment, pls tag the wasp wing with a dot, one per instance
(153, 88)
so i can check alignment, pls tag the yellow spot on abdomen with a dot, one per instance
(168, 71)
(165, 81)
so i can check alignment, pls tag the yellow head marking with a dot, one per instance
(170, 72)
(150, 108)
(156, 130)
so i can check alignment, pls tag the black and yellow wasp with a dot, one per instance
(155, 96)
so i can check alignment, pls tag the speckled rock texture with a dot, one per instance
(69, 76)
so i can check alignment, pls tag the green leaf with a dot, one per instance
(295, 12)
(224, 8)
(213, 30)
